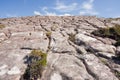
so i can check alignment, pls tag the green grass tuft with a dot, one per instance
(36, 64)
(72, 37)
(2, 26)
(111, 32)
(48, 34)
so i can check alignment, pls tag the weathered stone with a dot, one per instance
(100, 47)
(66, 59)
(56, 76)
(118, 51)
(3, 70)
(84, 38)
(69, 65)
(99, 70)
(13, 71)
(59, 44)
(106, 55)
(2, 37)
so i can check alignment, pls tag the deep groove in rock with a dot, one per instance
(89, 70)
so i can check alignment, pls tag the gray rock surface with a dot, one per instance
(88, 57)
(118, 51)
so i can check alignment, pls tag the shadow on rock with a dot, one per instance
(116, 60)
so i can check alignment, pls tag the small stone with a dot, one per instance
(3, 66)
(13, 71)
(56, 76)
(3, 70)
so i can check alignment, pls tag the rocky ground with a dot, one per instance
(73, 52)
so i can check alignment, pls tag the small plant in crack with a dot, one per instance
(72, 37)
(48, 34)
(117, 74)
(2, 26)
(117, 43)
(54, 27)
(37, 61)
(103, 61)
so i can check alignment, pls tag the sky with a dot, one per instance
(100, 8)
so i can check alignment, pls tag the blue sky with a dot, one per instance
(101, 8)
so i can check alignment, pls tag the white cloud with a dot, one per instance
(116, 16)
(88, 9)
(87, 6)
(45, 8)
(51, 14)
(11, 15)
(88, 12)
(61, 7)
(45, 12)
(65, 14)
(37, 13)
